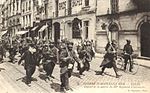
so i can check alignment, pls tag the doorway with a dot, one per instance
(145, 39)
(56, 32)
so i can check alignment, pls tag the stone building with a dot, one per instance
(121, 20)
(14, 14)
(73, 19)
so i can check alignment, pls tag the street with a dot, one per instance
(12, 80)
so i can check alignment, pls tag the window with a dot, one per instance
(29, 5)
(114, 6)
(76, 28)
(26, 6)
(13, 21)
(30, 19)
(17, 5)
(86, 28)
(86, 2)
(23, 20)
(18, 21)
(13, 6)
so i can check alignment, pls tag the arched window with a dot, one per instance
(76, 28)
(113, 28)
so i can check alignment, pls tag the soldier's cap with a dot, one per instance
(88, 43)
(51, 41)
(69, 43)
(128, 40)
(46, 45)
(114, 41)
(31, 44)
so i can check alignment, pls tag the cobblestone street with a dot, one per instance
(11, 80)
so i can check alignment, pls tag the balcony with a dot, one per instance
(142, 5)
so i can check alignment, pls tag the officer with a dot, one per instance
(30, 62)
(110, 58)
(67, 60)
(128, 51)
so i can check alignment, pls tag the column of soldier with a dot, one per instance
(48, 54)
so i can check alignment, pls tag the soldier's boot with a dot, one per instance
(102, 72)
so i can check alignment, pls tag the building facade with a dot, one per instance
(14, 15)
(73, 19)
(5, 15)
(121, 20)
(1, 17)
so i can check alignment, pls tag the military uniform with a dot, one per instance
(128, 50)
(86, 58)
(50, 58)
(110, 58)
(2, 52)
(67, 60)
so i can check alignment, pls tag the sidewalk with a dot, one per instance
(141, 62)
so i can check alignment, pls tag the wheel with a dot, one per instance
(120, 63)
(134, 68)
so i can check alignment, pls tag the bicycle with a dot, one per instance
(120, 64)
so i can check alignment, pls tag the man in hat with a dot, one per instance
(30, 62)
(128, 51)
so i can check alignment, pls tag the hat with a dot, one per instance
(114, 41)
(69, 43)
(128, 40)
(51, 41)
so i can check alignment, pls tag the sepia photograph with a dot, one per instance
(74, 46)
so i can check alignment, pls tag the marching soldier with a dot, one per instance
(13, 51)
(50, 59)
(67, 60)
(128, 51)
(110, 57)
(30, 62)
(2, 51)
(86, 58)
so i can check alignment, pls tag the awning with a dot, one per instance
(21, 32)
(2, 33)
(43, 28)
(34, 28)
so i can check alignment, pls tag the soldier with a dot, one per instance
(50, 59)
(30, 62)
(67, 60)
(88, 54)
(128, 51)
(13, 51)
(110, 57)
(89, 48)
(2, 51)
(86, 58)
